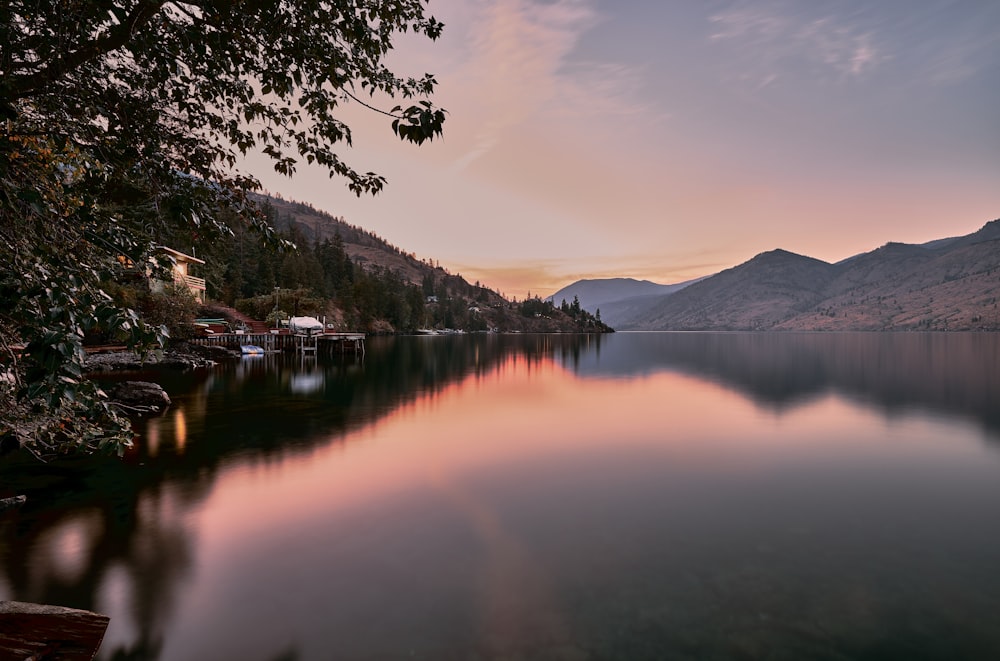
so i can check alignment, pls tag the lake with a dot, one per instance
(629, 496)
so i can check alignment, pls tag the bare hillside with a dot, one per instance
(950, 284)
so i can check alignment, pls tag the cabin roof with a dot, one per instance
(180, 256)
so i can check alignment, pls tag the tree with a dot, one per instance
(121, 123)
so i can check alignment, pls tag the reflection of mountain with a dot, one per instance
(954, 373)
(100, 522)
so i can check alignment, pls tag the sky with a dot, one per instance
(667, 140)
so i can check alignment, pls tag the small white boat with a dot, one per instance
(252, 350)
(305, 325)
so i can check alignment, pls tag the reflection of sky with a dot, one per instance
(558, 495)
(464, 517)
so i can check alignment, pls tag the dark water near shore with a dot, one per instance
(633, 496)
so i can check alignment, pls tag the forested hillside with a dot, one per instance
(358, 281)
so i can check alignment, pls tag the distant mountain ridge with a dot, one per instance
(615, 298)
(947, 284)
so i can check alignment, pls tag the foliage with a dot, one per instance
(173, 308)
(274, 317)
(282, 303)
(584, 321)
(121, 123)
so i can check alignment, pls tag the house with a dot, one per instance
(181, 272)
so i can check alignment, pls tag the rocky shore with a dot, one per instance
(147, 397)
(182, 357)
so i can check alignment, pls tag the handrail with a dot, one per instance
(192, 282)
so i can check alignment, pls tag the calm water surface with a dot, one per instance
(634, 496)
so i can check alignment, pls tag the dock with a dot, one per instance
(326, 342)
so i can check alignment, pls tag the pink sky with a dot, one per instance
(668, 140)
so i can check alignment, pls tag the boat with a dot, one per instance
(305, 325)
(252, 350)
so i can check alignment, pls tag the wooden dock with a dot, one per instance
(284, 341)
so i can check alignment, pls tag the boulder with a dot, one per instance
(142, 396)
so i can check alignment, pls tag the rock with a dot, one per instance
(12, 502)
(188, 357)
(212, 354)
(143, 396)
(112, 361)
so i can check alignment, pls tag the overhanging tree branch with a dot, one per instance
(20, 87)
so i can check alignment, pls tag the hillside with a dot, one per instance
(949, 284)
(390, 290)
(362, 246)
(769, 288)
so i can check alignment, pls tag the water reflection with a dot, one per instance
(379, 481)
(101, 534)
(953, 373)
(68, 546)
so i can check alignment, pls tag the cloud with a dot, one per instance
(602, 89)
(519, 69)
(957, 60)
(777, 40)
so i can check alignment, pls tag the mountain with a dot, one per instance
(948, 284)
(596, 292)
(616, 298)
(989, 232)
(757, 294)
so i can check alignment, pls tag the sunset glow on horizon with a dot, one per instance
(667, 141)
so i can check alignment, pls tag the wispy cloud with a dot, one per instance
(514, 49)
(606, 89)
(774, 40)
(519, 69)
(958, 60)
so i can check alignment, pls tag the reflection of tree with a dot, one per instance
(116, 521)
(956, 373)
(129, 514)
(283, 404)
